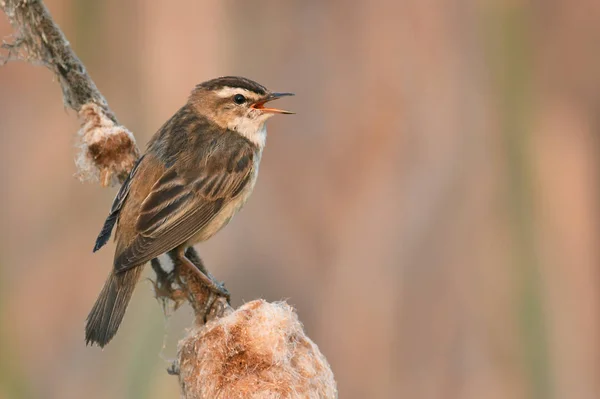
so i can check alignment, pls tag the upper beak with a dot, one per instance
(271, 97)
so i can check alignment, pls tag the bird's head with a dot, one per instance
(238, 104)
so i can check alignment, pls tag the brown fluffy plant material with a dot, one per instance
(258, 351)
(108, 150)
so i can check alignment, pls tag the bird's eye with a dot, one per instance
(239, 99)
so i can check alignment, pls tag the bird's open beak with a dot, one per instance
(260, 105)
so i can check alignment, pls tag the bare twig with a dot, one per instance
(259, 350)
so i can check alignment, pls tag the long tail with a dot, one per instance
(109, 309)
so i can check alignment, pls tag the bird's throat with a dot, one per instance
(253, 130)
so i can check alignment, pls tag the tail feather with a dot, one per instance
(109, 309)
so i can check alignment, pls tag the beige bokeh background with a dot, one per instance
(432, 210)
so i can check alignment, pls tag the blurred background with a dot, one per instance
(432, 211)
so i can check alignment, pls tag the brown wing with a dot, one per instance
(181, 204)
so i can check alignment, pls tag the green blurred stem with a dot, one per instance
(13, 383)
(514, 82)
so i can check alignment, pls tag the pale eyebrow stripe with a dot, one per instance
(230, 91)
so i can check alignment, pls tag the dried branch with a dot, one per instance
(108, 150)
(259, 350)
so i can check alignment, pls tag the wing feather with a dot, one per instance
(146, 248)
(116, 208)
(181, 204)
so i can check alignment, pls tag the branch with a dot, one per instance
(258, 350)
(108, 150)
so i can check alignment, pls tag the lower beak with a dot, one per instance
(260, 105)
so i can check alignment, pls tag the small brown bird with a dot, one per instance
(198, 171)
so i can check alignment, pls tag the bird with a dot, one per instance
(198, 170)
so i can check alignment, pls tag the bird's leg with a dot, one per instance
(198, 268)
(193, 257)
